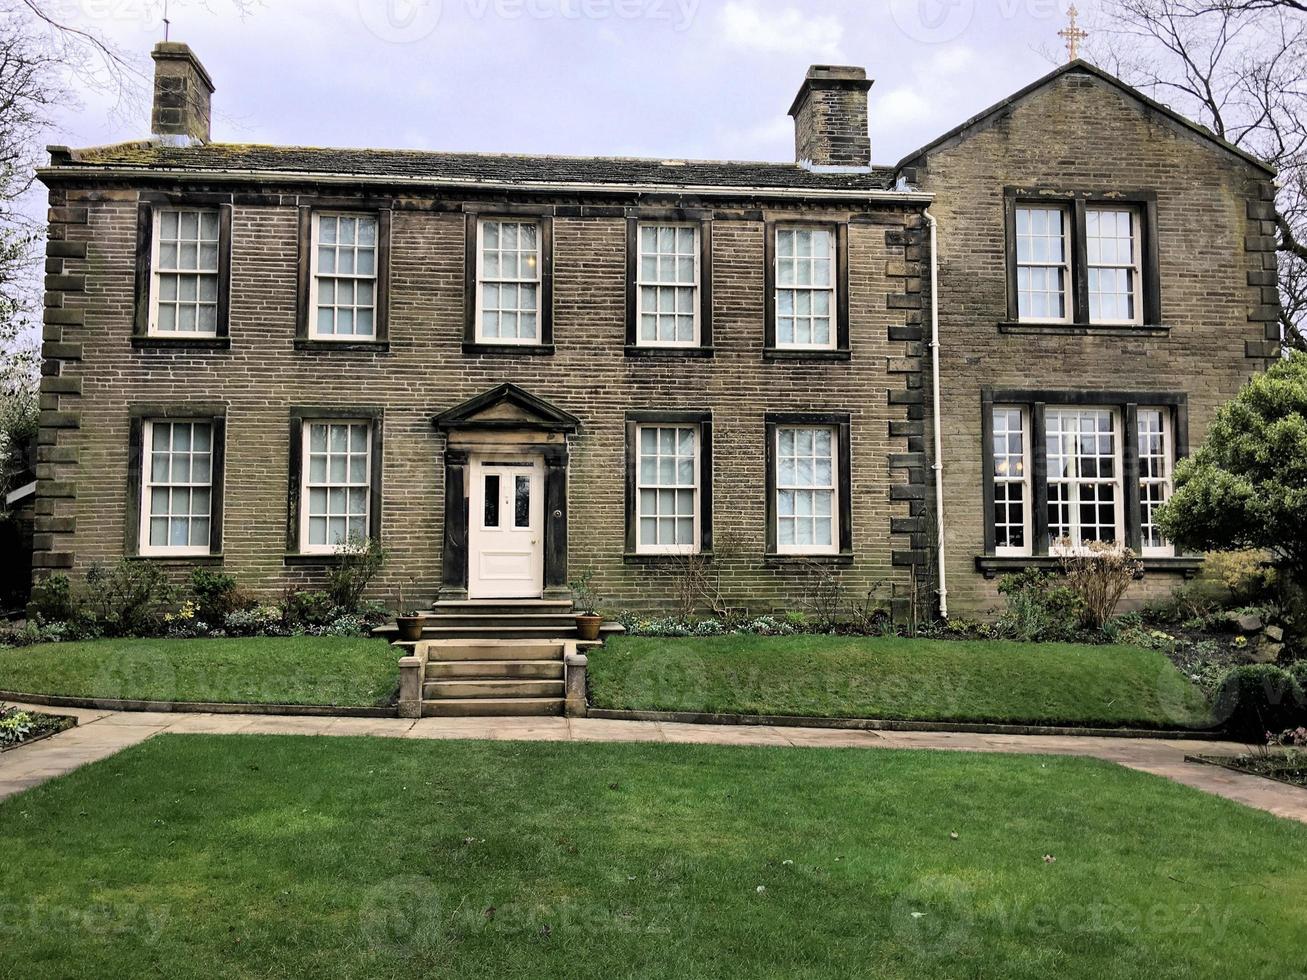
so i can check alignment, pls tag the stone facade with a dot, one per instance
(1082, 132)
(99, 373)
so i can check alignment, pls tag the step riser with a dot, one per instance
(500, 632)
(552, 652)
(454, 622)
(500, 609)
(548, 670)
(488, 708)
(492, 689)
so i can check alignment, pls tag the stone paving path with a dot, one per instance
(102, 733)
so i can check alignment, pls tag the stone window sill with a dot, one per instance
(180, 561)
(802, 561)
(992, 566)
(140, 342)
(787, 354)
(507, 350)
(298, 558)
(635, 350)
(342, 346)
(640, 558)
(1085, 329)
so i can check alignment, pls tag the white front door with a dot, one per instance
(506, 508)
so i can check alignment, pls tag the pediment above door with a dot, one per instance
(505, 408)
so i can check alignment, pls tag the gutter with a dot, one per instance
(938, 466)
(301, 176)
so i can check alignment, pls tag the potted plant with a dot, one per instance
(408, 621)
(588, 619)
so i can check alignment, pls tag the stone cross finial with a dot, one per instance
(1073, 35)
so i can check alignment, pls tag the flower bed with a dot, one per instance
(18, 726)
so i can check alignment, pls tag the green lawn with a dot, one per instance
(266, 856)
(327, 670)
(919, 680)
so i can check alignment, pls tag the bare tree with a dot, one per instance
(1239, 67)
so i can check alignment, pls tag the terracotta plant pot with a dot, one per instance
(587, 626)
(410, 628)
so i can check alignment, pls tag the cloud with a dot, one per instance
(901, 107)
(781, 31)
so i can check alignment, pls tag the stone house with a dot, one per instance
(513, 369)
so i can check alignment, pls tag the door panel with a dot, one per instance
(506, 538)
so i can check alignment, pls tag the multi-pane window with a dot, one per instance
(508, 281)
(1084, 476)
(1043, 269)
(1155, 457)
(344, 276)
(177, 500)
(185, 263)
(805, 287)
(1011, 481)
(668, 285)
(805, 490)
(667, 488)
(1112, 253)
(337, 484)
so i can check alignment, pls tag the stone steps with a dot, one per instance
(491, 707)
(494, 688)
(542, 670)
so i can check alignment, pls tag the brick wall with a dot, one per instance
(1217, 280)
(93, 374)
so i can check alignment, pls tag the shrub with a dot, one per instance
(1298, 670)
(302, 609)
(1258, 698)
(128, 598)
(360, 561)
(1038, 608)
(1247, 575)
(15, 725)
(1099, 576)
(216, 596)
(53, 600)
(254, 621)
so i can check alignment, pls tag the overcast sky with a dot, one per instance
(662, 78)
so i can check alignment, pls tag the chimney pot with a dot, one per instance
(830, 118)
(182, 95)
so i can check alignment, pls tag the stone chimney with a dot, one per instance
(182, 90)
(830, 118)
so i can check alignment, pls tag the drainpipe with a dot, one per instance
(939, 452)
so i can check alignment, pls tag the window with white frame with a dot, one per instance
(1155, 459)
(667, 489)
(1084, 476)
(1112, 253)
(336, 484)
(344, 281)
(805, 490)
(805, 288)
(1011, 481)
(177, 491)
(667, 285)
(1043, 263)
(508, 281)
(185, 278)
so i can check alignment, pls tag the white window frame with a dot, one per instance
(305, 546)
(640, 285)
(538, 281)
(314, 274)
(147, 484)
(1068, 274)
(1135, 266)
(1166, 549)
(1117, 480)
(152, 326)
(670, 549)
(834, 489)
(1024, 480)
(833, 315)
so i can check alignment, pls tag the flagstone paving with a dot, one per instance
(102, 733)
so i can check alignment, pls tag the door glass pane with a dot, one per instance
(492, 500)
(522, 502)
